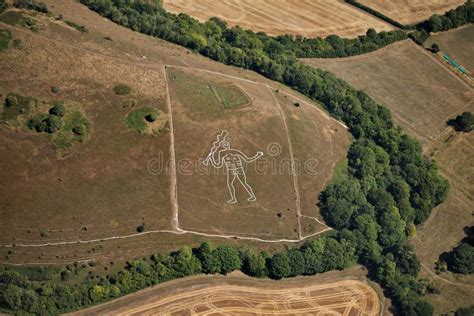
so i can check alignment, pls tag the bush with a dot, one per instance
(435, 48)
(58, 109)
(463, 122)
(151, 117)
(54, 89)
(31, 5)
(80, 130)
(122, 89)
(141, 228)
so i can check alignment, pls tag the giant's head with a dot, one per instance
(225, 144)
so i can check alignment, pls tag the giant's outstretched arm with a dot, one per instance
(253, 158)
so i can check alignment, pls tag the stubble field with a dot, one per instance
(328, 293)
(411, 11)
(306, 18)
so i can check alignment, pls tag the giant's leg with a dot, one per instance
(247, 187)
(230, 185)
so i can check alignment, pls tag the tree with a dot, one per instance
(280, 265)
(297, 262)
(463, 122)
(58, 109)
(150, 117)
(229, 258)
(465, 311)
(463, 259)
(255, 264)
(209, 260)
(12, 296)
(406, 260)
(340, 201)
(184, 263)
(435, 48)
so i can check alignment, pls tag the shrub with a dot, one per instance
(80, 28)
(80, 130)
(122, 89)
(54, 89)
(31, 5)
(151, 117)
(435, 48)
(53, 123)
(141, 228)
(58, 109)
(5, 39)
(463, 122)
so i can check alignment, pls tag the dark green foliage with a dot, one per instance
(465, 311)
(3, 5)
(463, 259)
(80, 28)
(80, 130)
(151, 117)
(5, 39)
(379, 14)
(58, 109)
(254, 264)
(463, 122)
(31, 5)
(229, 258)
(452, 19)
(16, 105)
(435, 48)
(122, 89)
(141, 228)
(54, 89)
(280, 265)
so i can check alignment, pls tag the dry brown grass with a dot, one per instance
(104, 184)
(411, 11)
(457, 43)
(329, 293)
(421, 93)
(310, 18)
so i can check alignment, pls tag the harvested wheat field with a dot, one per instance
(237, 294)
(307, 18)
(411, 11)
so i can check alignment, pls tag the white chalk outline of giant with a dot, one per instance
(233, 160)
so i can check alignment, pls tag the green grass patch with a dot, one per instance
(65, 124)
(208, 99)
(80, 28)
(230, 96)
(5, 39)
(76, 128)
(122, 89)
(137, 121)
(340, 173)
(16, 105)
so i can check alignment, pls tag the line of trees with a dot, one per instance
(35, 291)
(389, 189)
(438, 23)
(379, 15)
